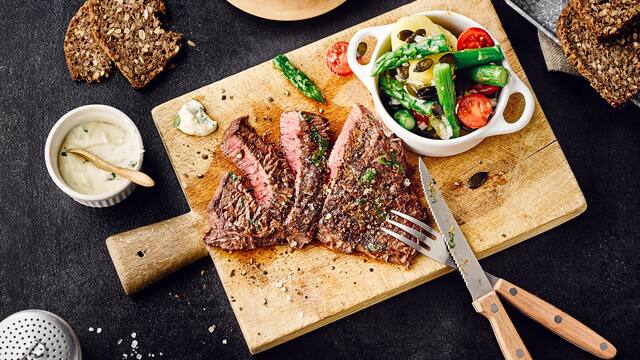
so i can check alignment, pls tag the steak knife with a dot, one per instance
(535, 308)
(485, 299)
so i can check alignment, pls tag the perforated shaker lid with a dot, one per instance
(37, 335)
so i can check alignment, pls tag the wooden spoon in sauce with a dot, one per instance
(135, 176)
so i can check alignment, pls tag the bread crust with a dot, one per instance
(608, 18)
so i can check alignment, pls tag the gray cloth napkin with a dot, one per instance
(555, 60)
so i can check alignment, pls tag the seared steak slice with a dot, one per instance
(237, 221)
(258, 209)
(304, 138)
(368, 179)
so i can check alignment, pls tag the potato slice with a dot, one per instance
(414, 23)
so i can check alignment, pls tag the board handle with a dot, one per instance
(147, 254)
(555, 320)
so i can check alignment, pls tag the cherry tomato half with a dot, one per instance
(337, 59)
(474, 38)
(474, 110)
(483, 89)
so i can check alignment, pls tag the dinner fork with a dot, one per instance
(432, 244)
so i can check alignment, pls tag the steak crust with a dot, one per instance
(248, 212)
(305, 140)
(368, 180)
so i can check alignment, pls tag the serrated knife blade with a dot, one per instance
(474, 277)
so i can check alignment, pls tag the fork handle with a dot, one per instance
(508, 338)
(556, 320)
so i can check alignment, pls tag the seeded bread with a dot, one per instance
(131, 35)
(85, 58)
(609, 17)
(611, 66)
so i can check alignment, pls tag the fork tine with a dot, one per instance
(412, 244)
(424, 226)
(417, 234)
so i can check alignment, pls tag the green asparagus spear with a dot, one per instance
(393, 59)
(447, 97)
(299, 79)
(394, 89)
(495, 75)
(405, 119)
(474, 57)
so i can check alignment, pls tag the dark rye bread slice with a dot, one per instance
(304, 139)
(611, 66)
(85, 58)
(130, 33)
(608, 17)
(368, 179)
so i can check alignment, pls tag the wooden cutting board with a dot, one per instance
(278, 294)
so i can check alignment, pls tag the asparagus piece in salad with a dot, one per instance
(395, 90)
(475, 57)
(393, 59)
(447, 96)
(405, 119)
(299, 79)
(495, 75)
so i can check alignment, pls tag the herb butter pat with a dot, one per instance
(192, 120)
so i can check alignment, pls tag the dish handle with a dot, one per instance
(502, 126)
(363, 72)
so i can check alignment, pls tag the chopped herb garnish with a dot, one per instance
(392, 161)
(133, 163)
(373, 247)
(85, 130)
(307, 117)
(451, 241)
(367, 176)
(255, 224)
(176, 122)
(241, 201)
(323, 145)
(64, 153)
(111, 177)
(233, 176)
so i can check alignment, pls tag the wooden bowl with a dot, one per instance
(286, 10)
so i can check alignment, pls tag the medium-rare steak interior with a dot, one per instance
(368, 179)
(239, 211)
(305, 143)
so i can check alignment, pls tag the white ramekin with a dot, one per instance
(497, 125)
(60, 130)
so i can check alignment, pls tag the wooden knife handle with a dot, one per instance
(145, 255)
(556, 320)
(508, 338)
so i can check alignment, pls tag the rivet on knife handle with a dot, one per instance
(511, 344)
(555, 320)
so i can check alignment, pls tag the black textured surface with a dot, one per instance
(53, 257)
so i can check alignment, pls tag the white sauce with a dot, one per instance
(192, 120)
(105, 140)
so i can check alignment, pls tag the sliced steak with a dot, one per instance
(237, 221)
(256, 205)
(305, 141)
(368, 179)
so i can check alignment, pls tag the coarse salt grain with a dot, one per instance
(224, 341)
(133, 335)
(212, 328)
(134, 344)
(98, 330)
(91, 329)
(119, 341)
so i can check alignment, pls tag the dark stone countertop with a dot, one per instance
(53, 256)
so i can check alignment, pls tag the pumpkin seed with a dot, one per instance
(403, 71)
(427, 93)
(423, 65)
(362, 49)
(477, 179)
(421, 32)
(404, 35)
(411, 89)
(447, 58)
